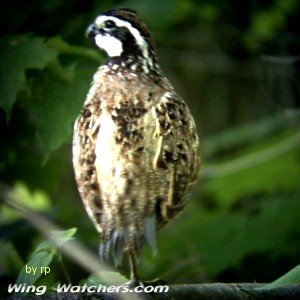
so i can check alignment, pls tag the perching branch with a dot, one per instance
(189, 292)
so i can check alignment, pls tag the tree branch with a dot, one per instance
(189, 291)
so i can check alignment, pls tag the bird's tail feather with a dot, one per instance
(117, 241)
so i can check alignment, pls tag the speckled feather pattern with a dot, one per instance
(135, 156)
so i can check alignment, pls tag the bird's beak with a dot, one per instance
(91, 31)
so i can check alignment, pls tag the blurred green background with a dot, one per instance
(236, 64)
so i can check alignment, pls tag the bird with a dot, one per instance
(135, 143)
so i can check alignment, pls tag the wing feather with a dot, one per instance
(177, 151)
(84, 142)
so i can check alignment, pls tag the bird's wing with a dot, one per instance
(177, 151)
(86, 128)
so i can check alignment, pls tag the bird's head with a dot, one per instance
(121, 33)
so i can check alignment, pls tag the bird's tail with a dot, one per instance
(117, 241)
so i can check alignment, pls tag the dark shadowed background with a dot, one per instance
(236, 64)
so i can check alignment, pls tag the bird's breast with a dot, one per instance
(106, 151)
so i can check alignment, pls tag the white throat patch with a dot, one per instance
(110, 44)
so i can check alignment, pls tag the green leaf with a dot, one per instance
(63, 236)
(105, 278)
(35, 267)
(60, 237)
(43, 256)
(56, 103)
(36, 200)
(58, 44)
(17, 54)
(290, 278)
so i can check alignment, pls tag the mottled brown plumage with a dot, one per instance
(135, 146)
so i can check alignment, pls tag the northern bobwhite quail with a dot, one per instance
(135, 145)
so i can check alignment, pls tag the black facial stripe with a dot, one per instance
(129, 43)
(120, 33)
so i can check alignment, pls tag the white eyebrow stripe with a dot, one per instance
(138, 37)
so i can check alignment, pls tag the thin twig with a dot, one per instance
(251, 160)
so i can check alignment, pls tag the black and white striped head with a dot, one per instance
(121, 33)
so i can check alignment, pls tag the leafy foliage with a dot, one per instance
(18, 54)
(229, 63)
(36, 200)
(42, 257)
(290, 278)
(104, 278)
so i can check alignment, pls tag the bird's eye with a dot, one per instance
(109, 24)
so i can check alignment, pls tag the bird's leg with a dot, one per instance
(134, 278)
